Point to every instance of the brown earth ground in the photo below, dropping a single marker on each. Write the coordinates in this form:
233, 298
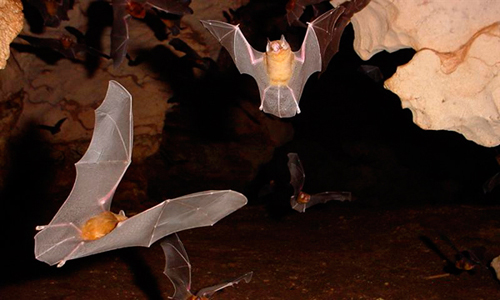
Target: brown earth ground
333, 251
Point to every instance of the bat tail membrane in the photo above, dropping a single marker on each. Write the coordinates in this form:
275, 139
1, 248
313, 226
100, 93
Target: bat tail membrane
280, 100
53, 242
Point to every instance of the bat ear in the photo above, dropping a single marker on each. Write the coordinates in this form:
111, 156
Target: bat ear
268, 45
122, 213
283, 40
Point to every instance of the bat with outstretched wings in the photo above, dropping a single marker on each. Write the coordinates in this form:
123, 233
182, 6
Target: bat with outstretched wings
84, 225
178, 270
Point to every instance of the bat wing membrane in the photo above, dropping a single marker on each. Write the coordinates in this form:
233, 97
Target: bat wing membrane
177, 266
328, 196
170, 216
209, 291
246, 58
119, 32
98, 173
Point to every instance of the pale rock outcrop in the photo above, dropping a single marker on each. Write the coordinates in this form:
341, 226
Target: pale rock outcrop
11, 23
451, 83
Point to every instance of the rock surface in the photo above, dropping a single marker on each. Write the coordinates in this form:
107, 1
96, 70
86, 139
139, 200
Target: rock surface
11, 23
451, 83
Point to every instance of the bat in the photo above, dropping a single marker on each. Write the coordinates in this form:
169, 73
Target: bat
280, 73
178, 270
466, 260
84, 225
65, 45
192, 57
295, 9
53, 129
300, 201
52, 11
124, 9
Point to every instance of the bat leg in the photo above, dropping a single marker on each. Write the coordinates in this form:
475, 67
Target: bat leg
63, 261
263, 98
294, 99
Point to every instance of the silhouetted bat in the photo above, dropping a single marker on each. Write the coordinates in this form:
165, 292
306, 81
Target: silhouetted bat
84, 225
280, 73
53, 129
64, 45
178, 270
191, 56
123, 9
52, 11
300, 201
468, 259
295, 9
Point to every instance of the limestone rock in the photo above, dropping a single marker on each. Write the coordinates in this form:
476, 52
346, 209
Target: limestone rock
451, 83
11, 23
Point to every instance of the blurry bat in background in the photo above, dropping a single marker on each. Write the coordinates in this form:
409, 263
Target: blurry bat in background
295, 9
466, 260
300, 201
53, 129
65, 45
52, 11
123, 9
178, 270
280, 73
84, 225
192, 57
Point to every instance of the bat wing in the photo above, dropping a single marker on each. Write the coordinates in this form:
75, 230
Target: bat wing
119, 32
177, 266
176, 7
297, 175
246, 58
98, 173
170, 216
209, 291
328, 196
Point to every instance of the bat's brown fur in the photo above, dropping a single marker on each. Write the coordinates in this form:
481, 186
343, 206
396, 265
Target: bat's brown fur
303, 198
279, 64
100, 225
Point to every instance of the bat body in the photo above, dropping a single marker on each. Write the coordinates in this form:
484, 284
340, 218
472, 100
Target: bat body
280, 73
300, 201
84, 224
466, 260
123, 9
178, 270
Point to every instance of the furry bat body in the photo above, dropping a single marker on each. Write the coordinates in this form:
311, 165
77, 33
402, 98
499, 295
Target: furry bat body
123, 9
300, 201
280, 73
84, 225
178, 270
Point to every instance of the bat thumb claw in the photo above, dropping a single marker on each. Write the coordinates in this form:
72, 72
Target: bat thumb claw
40, 228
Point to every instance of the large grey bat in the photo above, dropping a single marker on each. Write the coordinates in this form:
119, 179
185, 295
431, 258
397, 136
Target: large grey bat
280, 73
300, 201
84, 225
178, 270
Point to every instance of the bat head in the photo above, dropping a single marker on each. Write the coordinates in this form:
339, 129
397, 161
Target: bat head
303, 198
136, 9
277, 46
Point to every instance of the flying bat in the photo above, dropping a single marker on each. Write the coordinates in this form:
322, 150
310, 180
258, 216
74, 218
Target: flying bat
84, 225
53, 129
178, 270
52, 11
123, 9
280, 73
64, 45
295, 9
300, 201
466, 260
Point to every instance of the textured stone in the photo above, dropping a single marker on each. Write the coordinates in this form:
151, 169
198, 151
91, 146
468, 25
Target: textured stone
451, 83
11, 23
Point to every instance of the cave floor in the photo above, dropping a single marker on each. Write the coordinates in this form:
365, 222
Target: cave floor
333, 251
